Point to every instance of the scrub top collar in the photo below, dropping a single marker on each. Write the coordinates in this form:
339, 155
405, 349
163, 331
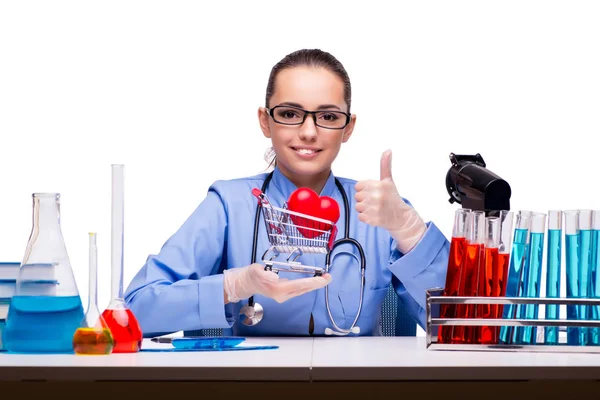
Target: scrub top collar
286, 187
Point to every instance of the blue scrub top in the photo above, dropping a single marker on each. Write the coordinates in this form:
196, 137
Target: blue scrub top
181, 288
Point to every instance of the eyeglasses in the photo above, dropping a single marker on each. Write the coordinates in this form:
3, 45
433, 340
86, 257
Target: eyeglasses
289, 115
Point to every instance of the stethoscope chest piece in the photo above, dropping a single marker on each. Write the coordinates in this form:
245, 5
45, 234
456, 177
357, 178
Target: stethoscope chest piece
251, 314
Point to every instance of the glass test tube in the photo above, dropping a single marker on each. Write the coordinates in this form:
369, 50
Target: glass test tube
457, 253
470, 276
519, 257
533, 278
572, 269
553, 262
117, 223
594, 333
500, 280
585, 261
487, 271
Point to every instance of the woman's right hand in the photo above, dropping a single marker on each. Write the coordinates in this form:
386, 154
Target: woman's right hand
241, 283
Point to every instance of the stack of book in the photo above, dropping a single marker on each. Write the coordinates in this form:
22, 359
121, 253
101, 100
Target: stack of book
8, 282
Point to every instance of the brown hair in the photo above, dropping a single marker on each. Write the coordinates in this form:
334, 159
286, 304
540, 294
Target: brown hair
306, 58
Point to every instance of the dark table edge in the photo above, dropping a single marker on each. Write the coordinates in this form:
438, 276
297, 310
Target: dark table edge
467, 373
142, 373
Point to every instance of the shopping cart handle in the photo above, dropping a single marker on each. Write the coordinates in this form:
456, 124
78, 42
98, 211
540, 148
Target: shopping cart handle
256, 192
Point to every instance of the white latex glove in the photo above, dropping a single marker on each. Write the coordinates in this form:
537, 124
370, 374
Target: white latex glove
241, 283
379, 204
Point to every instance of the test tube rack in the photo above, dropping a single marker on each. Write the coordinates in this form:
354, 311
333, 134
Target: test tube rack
434, 299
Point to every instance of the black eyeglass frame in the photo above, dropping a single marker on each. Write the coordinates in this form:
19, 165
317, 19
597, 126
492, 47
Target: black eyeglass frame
271, 112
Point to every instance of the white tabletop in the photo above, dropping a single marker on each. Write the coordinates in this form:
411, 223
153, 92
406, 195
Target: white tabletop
389, 358
291, 361
306, 359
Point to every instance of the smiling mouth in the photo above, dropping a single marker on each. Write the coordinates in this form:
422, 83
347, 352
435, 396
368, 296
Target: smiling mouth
305, 151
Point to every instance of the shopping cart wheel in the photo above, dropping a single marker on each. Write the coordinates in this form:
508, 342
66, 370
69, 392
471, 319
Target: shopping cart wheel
270, 268
318, 273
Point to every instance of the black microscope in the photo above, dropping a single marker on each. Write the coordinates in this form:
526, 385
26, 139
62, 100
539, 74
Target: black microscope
473, 186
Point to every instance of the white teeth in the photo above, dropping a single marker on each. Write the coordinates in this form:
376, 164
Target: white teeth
305, 151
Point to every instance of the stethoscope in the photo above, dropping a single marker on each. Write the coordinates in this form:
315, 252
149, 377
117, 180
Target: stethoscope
253, 312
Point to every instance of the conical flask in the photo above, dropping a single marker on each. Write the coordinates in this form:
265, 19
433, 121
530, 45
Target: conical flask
123, 325
93, 335
46, 309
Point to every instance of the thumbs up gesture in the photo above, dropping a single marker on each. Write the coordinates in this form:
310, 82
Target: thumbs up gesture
378, 203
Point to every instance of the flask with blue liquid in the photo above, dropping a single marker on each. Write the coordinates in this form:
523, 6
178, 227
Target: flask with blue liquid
46, 308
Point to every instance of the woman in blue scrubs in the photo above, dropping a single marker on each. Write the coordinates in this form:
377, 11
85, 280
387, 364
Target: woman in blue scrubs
204, 275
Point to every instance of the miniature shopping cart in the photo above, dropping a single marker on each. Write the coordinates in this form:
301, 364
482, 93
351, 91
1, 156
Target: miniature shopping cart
294, 234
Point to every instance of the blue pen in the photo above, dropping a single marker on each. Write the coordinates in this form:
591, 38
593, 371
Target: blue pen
201, 342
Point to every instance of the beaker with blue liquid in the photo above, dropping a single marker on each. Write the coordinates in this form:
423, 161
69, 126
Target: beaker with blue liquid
46, 308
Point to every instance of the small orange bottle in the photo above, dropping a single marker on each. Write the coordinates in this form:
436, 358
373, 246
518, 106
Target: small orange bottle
93, 337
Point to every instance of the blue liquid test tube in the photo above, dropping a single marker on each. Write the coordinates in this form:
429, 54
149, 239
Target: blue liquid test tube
553, 262
585, 261
517, 334
517, 264
572, 269
594, 333
533, 278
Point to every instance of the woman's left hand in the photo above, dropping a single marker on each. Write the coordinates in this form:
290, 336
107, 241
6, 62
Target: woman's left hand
379, 204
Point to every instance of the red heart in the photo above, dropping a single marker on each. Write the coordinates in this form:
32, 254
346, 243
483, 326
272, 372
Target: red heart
307, 201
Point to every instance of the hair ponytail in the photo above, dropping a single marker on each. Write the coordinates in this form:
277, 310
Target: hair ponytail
271, 158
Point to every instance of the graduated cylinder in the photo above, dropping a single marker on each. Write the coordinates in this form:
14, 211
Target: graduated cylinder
123, 324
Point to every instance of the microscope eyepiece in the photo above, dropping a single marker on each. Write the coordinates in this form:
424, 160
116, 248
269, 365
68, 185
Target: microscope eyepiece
472, 185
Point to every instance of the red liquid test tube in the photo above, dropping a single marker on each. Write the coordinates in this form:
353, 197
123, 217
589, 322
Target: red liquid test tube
504, 247
458, 245
469, 280
487, 334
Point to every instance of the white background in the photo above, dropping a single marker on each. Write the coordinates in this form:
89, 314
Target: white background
171, 89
